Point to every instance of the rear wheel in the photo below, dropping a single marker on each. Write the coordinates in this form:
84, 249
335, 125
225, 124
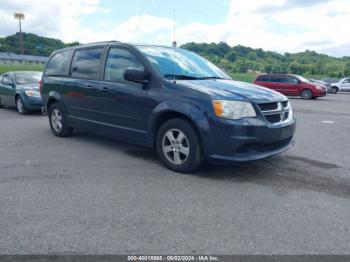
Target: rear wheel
1, 106
306, 94
21, 109
58, 121
334, 89
178, 145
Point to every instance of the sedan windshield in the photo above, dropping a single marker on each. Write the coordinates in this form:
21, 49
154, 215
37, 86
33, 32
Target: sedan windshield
181, 64
27, 78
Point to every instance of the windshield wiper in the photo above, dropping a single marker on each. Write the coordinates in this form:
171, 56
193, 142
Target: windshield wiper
180, 77
211, 77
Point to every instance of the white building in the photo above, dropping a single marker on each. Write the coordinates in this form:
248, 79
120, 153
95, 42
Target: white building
10, 58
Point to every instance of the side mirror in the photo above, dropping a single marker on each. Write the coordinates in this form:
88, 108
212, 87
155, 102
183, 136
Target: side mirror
7, 82
136, 75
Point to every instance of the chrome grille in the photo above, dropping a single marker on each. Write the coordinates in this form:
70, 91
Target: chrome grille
277, 112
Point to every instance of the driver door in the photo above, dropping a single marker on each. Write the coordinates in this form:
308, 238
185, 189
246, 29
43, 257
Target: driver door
7, 90
124, 105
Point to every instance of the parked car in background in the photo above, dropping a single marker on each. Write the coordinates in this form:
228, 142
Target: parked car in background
168, 99
21, 90
291, 85
322, 83
342, 85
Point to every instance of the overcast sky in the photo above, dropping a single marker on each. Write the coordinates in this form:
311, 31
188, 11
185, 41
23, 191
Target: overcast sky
279, 25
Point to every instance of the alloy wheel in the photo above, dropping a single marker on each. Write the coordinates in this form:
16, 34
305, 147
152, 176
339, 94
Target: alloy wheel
56, 120
19, 105
175, 146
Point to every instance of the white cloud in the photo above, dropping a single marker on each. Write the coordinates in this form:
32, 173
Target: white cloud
280, 25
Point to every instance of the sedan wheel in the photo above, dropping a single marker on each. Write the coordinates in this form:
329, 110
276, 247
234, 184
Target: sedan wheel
334, 90
20, 107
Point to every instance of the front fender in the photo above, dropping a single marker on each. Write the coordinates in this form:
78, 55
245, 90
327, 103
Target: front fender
193, 112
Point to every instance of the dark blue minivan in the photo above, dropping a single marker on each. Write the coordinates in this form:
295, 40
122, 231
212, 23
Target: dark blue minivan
165, 98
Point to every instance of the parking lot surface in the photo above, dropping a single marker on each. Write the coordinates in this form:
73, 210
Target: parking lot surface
90, 195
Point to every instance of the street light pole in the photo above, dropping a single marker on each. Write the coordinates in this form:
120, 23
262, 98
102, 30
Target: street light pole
20, 16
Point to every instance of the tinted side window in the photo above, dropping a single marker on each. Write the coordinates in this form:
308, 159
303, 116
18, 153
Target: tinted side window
117, 61
277, 79
263, 78
86, 63
59, 64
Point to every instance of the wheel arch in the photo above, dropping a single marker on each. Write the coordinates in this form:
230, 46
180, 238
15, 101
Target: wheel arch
336, 87
194, 115
53, 97
19, 94
306, 89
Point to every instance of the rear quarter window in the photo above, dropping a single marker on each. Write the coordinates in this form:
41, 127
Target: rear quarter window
59, 64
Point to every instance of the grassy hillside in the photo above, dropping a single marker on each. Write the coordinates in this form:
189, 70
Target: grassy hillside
22, 67
235, 60
243, 77
241, 59
33, 44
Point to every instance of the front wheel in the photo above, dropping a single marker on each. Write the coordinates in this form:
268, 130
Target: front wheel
58, 121
21, 109
306, 94
178, 145
334, 90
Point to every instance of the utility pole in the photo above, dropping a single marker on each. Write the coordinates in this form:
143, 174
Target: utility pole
20, 16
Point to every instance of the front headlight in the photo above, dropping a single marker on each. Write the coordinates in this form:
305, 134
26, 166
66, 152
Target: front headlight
233, 109
32, 93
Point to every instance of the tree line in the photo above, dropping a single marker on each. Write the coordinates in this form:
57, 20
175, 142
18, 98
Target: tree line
241, 59
236, 59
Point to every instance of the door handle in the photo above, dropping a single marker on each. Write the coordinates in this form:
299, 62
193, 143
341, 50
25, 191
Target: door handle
104, 89
89, 87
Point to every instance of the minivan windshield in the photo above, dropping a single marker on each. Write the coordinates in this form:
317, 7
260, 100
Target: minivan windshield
27, 78
181, 64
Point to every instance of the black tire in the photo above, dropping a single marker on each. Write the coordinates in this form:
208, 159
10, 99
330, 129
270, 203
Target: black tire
62, 130
1, 106
306, 94
190, 141
21, 109
334, 89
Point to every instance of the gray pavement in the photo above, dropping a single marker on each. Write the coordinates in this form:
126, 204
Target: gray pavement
90, 195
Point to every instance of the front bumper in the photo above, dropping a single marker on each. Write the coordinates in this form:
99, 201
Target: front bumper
33, 103
250, 139
319, 93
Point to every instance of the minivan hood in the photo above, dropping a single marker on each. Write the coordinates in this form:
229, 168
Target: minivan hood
27, 87
234, 90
